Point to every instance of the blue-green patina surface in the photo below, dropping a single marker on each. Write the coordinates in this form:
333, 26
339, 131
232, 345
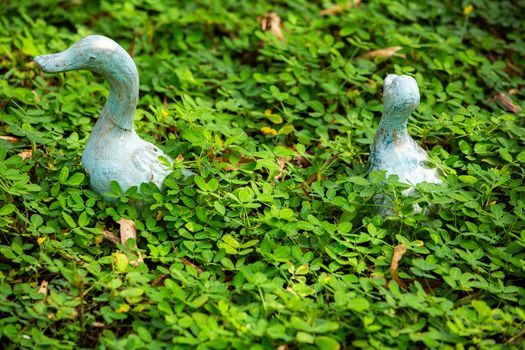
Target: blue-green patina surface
393, 149
114, 150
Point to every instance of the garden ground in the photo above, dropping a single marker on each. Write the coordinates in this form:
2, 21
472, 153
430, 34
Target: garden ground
276, 242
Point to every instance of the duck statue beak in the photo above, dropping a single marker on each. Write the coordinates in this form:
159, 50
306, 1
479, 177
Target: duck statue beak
55, 63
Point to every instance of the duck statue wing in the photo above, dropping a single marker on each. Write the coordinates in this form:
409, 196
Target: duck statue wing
146, 164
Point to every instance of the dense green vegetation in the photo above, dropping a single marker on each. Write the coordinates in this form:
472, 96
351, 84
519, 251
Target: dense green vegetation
276, 243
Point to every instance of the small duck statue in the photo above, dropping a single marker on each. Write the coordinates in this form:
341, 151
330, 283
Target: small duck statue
114, 151
393, 149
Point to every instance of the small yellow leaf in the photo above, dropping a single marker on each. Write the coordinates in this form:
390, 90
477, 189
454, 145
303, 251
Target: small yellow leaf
121, 261
267, 130
164, 113
99, 239
139, 308
268, 112
41, 240
285, 130
275, 118
122, 308
468, 179
468, 9
302, 270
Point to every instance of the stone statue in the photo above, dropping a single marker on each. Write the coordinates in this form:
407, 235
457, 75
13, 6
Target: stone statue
393, 149
114, 151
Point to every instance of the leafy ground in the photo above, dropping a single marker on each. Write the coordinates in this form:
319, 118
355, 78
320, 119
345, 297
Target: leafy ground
276, 243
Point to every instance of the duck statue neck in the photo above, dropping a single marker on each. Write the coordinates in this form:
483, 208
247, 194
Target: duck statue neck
393, 149
114, 151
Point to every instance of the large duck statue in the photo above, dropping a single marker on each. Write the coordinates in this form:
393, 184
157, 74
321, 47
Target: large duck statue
114, 151
393, 149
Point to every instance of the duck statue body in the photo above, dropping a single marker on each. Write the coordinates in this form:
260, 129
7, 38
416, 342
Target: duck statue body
114, 151
393, 149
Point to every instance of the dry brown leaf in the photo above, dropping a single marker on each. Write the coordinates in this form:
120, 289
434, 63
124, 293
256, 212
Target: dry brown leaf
9, 138
98, 324
25, 154
129, 230
271, 22
231, 168
43, 288
384, 53
110, 236
282, 347
332, 10
507, 102
399, 251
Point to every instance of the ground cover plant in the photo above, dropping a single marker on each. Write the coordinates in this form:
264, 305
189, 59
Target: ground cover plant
275, 243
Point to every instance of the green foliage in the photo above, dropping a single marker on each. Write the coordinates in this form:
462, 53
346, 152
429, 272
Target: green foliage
276, 242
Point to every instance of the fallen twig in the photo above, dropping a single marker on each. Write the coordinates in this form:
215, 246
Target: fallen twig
9, 138
507, 102
384, 53
110, 236
399, 251
186, 262
513, 339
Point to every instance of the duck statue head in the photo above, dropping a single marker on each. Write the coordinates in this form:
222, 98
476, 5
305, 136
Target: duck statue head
393, 150
400, 98
114, 151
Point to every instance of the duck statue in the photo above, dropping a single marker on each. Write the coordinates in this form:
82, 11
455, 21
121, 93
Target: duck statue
393, 149
114, 151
